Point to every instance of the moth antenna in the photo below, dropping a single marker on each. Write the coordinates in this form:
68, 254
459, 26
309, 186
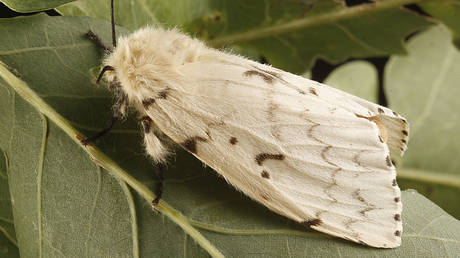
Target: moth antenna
114, 39
104, 69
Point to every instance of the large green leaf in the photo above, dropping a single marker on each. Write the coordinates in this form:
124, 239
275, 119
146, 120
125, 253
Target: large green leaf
33, 5
65, 205
448, 12
290, 35
423, 86
359, 78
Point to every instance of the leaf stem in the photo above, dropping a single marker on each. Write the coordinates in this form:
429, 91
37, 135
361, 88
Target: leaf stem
429, 177
332, 16
103, 160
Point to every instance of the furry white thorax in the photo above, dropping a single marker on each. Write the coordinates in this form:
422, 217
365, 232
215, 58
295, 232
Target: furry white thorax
147, 61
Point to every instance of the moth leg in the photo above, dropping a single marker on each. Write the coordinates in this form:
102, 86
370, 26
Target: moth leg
96, 40
119, 110
159, 193
157, 151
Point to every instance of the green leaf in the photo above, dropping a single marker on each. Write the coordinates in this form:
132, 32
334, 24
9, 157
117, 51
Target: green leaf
28, 6
290, 35
448, 12
8, 242
423, 86
359, 78
65, 205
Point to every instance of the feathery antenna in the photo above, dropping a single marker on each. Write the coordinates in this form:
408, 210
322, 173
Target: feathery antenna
114, 39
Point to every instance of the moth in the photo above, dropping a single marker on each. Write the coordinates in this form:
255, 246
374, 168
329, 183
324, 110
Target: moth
312, 153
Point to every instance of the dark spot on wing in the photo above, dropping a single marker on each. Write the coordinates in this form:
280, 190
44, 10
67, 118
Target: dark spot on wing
405, 132
233, 140
265, 77
190, 143
397, 233
260, 158
393, 183
312, 222
397, 217
396, 114
147, 102
403, 141
380, 110
302, 92
380, 139
163, 94
265, 174
313, 91
397, 199
146, 122
388, 160
404, 121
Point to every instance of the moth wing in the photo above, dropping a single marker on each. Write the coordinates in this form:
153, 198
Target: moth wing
287, 142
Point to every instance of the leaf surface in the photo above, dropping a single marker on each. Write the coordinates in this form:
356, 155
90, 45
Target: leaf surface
359, 78
448, 12
33, 5
8, 241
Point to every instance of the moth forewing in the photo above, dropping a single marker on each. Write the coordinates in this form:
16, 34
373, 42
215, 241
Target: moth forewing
307, 151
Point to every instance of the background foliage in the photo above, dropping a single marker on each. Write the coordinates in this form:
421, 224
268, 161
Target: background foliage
55, 201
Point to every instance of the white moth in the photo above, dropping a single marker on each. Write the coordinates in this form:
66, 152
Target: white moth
307, 151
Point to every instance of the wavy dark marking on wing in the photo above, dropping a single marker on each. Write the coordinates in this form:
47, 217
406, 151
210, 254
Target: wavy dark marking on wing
380, 110
260, 158
323, 155
265, 174
312, 222
394, 183
212, 125
349, 222
369, 206
191, 143
268, 79
313, 91
271, 112
163, 94
334, 183
355, 159
397, 217
278, 76
148, 102
310, 132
